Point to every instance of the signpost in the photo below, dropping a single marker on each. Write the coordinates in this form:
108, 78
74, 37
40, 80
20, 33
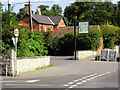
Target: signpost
108, 55
83, 27
16, 34
112, 55
104, 55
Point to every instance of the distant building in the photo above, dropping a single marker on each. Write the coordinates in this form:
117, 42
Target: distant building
43, 23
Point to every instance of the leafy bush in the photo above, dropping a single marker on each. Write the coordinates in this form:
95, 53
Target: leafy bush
65, 45
97, 58
89, 41
31, 44
110, 35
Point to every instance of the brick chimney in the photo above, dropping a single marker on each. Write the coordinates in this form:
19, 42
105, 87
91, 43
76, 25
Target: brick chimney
26, 7
38, 11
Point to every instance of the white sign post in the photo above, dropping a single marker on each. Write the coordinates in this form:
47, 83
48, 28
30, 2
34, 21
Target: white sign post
16, 34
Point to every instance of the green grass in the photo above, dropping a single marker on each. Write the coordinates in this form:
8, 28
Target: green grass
43, 67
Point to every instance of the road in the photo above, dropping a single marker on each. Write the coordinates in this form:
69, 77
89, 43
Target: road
68, 74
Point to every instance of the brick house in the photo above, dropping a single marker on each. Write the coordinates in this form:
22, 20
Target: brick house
43, 23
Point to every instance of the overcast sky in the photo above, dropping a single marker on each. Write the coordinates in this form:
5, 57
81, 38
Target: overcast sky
62, 3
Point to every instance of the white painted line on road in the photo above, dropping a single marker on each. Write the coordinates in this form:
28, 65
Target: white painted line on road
65, 85
84, 80
72, 86
32, 81
27, 85
88, 76
8, 81
70, 82
74, 81
79, 83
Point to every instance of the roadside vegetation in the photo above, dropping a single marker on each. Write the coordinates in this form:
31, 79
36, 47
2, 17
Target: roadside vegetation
39, 44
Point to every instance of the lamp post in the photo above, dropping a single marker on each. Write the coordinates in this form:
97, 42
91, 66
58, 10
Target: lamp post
75, 37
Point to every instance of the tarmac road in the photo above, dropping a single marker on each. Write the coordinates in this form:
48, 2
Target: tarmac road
68, 74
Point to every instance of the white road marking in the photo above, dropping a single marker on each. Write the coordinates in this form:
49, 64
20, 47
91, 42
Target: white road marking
74, 81
85, 79
72, 86
32, 81
65, 85
27, 85
79, 83
70, 82
8, 81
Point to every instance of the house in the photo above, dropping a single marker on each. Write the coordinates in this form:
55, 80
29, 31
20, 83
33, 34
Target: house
43, 23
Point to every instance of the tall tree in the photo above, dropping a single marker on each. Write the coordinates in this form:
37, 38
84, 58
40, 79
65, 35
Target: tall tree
96, 12
116, 15
56, 10
23, 11
44, 9
9, 23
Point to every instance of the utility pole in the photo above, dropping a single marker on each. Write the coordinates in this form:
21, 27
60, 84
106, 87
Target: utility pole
9, 5
30, 13
9, 11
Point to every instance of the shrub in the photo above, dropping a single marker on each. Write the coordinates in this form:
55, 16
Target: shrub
110, 35
65, 45
31, 44
97, 58
89, 41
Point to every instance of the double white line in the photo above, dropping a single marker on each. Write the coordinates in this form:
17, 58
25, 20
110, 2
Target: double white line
80, 81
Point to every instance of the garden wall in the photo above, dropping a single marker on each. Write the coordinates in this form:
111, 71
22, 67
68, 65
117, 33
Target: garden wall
85, 54
29, 64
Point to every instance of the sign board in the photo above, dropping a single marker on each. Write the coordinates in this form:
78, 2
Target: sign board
104, 54
83, 27
16, 32
112, 55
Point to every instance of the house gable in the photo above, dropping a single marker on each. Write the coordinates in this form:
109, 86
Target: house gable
62, 23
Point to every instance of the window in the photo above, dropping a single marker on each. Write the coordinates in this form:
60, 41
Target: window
44, 28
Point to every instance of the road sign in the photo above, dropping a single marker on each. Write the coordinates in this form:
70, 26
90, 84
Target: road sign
83, 26
16, 32
104, 54
112, 55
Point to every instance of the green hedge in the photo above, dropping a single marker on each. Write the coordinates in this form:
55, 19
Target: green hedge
111, 35
65, 45
31, 44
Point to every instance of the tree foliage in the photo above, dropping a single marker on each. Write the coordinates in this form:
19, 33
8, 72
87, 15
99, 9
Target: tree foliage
110, 35
21, 13
116, 16
96, 12
55, 10
9, 23
29, 43
44, 10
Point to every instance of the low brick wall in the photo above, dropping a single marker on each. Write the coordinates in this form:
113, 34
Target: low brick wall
84, 54
29, 64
